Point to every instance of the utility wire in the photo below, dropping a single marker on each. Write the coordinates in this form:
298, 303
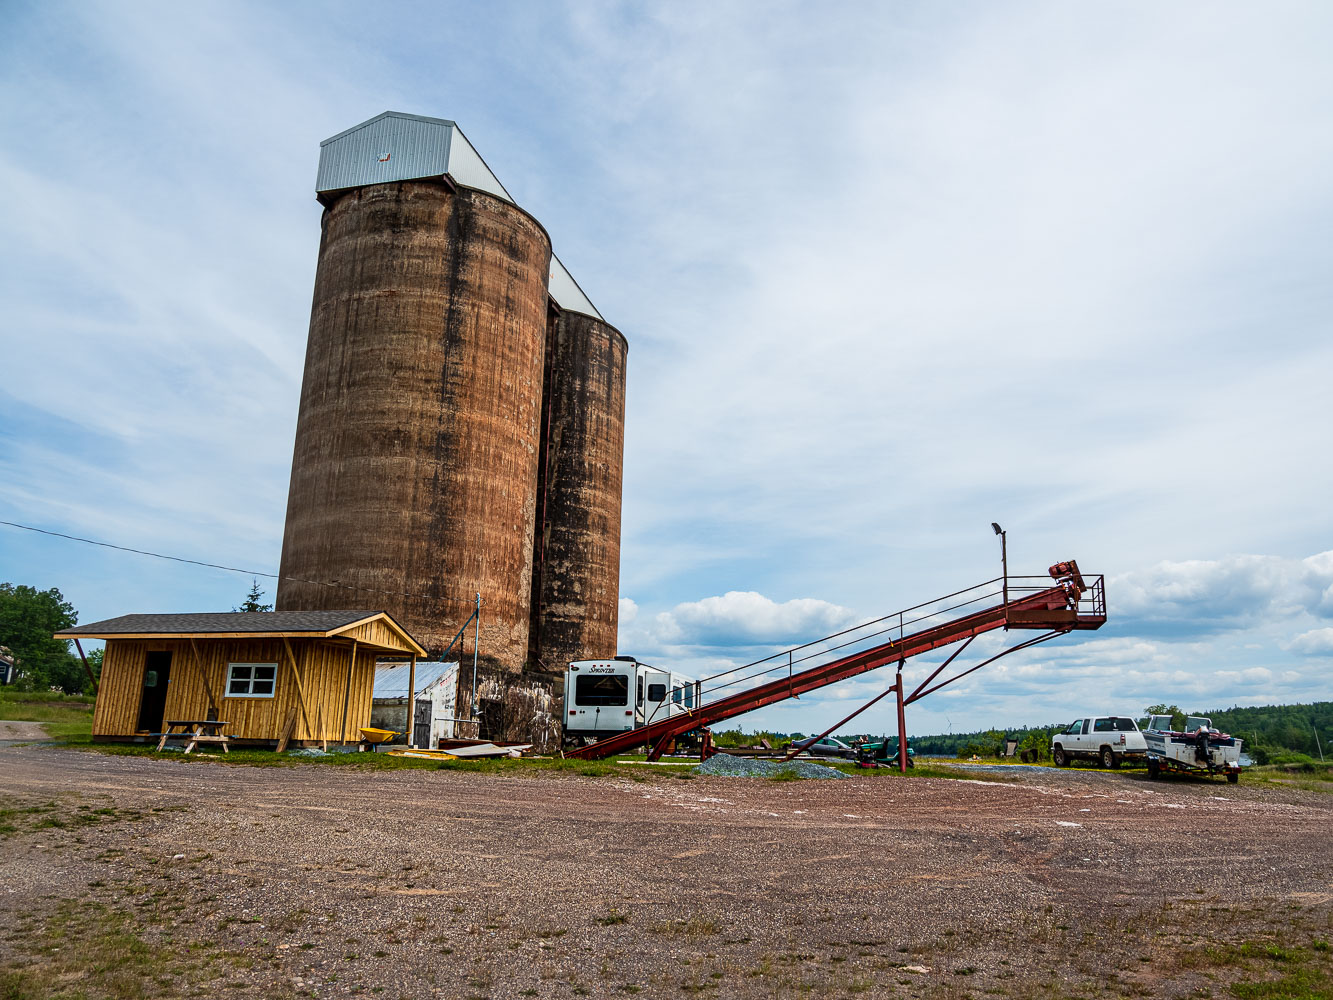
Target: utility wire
233, 569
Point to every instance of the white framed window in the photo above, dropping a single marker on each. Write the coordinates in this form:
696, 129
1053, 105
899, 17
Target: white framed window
251, 680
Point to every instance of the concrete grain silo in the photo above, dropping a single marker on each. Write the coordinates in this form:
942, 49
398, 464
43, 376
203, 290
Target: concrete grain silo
414, 475
576, 554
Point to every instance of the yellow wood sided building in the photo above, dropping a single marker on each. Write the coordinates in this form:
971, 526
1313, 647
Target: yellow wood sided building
263, 673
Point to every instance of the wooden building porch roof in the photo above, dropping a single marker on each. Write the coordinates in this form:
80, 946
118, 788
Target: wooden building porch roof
348, 625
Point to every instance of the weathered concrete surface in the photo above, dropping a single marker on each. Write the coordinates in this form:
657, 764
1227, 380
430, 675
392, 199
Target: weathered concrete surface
523, 708
414, 472
576, 572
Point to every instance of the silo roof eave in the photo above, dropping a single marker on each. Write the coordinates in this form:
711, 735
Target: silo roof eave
499, 183
390, 114
572, 306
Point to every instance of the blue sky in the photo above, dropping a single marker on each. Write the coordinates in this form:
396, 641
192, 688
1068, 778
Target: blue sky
889, 272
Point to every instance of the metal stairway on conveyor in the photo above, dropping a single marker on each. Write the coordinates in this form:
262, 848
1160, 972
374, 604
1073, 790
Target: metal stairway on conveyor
1074, 601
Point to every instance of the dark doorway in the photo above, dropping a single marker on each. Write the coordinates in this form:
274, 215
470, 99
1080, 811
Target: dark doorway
153, 705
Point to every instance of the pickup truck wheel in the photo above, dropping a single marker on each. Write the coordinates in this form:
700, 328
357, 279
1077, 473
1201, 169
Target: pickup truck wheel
1060, 757
1107, 758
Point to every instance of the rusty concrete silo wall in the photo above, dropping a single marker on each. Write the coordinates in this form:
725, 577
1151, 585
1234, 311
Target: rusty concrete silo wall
415, 467
576, 572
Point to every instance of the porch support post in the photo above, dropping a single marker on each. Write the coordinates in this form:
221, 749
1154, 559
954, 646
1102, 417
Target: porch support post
411, 703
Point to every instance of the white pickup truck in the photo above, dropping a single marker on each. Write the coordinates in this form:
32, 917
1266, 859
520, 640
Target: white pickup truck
1108, 739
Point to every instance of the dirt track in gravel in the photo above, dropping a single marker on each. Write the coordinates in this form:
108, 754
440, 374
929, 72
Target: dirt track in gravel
465, 885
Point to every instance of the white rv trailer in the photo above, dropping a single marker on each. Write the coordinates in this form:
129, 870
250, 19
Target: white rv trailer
609, 696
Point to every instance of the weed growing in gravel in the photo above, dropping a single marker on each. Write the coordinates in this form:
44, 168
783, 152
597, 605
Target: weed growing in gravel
692, 927
614, 917
19, 817
110, 958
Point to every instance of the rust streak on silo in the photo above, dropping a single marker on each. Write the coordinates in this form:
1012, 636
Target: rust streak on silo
577, 551
414, 472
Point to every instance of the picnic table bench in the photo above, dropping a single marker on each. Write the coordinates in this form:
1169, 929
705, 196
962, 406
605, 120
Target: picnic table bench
194, 732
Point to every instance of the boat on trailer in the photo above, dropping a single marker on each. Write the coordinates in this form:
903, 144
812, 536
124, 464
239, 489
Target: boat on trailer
1198, 749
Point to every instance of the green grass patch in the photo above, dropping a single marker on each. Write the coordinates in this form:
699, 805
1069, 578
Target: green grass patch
91, 950
1300, 984
515, 767
63, 716
18, 817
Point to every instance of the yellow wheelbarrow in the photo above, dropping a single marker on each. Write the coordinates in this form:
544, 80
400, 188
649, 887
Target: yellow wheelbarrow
373, 736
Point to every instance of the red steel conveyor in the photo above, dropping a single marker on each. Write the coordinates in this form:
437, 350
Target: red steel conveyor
1074, 602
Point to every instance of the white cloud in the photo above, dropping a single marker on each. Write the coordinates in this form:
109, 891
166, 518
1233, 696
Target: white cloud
740, 619
1316, 642
1233, 592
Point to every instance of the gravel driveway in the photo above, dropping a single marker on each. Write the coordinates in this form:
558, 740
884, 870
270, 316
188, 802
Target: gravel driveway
323, 881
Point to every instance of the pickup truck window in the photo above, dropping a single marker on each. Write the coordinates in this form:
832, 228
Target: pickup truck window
1086, 724
1125, 726
1075, 728
1103, 726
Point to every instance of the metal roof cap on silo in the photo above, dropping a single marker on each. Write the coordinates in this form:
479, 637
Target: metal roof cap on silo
400, 147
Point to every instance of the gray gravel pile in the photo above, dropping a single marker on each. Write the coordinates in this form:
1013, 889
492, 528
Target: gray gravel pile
726, 766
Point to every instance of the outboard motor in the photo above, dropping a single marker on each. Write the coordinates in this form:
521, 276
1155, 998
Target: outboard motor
1201, 745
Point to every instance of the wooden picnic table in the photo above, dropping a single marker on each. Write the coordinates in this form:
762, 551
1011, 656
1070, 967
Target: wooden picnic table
194, 732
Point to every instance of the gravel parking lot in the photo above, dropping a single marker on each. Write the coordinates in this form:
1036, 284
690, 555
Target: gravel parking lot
129, 876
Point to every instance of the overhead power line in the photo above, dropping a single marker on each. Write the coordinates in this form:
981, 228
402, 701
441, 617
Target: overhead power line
232, 569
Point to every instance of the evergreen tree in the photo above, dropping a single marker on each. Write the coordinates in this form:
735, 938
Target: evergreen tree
252, 600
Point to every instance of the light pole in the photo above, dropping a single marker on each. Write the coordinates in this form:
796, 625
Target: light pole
1004, 565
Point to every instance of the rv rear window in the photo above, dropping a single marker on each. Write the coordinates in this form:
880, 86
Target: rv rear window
602, 689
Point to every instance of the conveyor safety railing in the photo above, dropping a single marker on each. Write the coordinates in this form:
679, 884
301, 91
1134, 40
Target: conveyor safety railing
1073, 601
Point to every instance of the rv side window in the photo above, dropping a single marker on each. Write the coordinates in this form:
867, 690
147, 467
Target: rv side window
689, 695
656, 692
601, 689
675, 696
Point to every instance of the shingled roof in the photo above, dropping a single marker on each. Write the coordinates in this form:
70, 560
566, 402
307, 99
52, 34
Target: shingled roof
218, 624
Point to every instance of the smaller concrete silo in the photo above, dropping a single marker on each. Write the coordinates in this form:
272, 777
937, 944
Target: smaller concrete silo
576, 552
